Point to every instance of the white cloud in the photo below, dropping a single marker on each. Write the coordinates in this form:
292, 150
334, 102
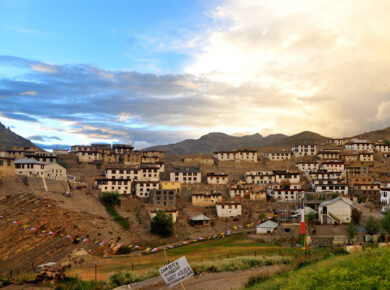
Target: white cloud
29, 93
383, 112
44, 68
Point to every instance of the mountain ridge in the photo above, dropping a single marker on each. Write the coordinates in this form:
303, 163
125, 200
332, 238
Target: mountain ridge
8, 139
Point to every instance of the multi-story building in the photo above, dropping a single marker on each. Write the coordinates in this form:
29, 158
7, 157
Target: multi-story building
186, 175
55, 171
329, 154
278, 156
228, 209
242, 155
141, 174
286, 192
254, 177
217, 178
163, 197
206, 199
384, 148
287, 176
143, 188
307, 166
339, 188
29, 167
304, 150
7, 166
89, 156
122, 186
360, 146
333, 166
324, 175
366, 157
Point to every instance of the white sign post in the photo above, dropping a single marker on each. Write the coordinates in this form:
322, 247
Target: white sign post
176, 272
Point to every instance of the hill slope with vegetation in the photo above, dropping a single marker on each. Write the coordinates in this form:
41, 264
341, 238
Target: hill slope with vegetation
8, 139
366, 270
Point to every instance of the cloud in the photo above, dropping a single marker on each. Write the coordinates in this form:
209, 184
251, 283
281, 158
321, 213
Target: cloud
29, 93
44, 68
18, 116
383, 112
265, 66
43, 138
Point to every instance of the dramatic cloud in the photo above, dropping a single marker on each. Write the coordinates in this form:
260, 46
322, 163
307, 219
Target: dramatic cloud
266, 66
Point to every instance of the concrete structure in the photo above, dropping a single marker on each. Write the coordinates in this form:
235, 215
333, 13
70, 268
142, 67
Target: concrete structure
163, 197
304, 150
228, 209
143, 188
278, 156
7, 167
217, 178
141, 174
55, 171
337, 210
29, 167
267, 227
186, 175
206, 199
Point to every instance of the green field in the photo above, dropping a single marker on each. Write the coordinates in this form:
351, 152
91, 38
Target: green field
206, 251
367, 270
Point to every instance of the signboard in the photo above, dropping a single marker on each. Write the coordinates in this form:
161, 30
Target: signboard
176, 272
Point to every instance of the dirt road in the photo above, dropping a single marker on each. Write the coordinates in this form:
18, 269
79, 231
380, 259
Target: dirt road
211, 281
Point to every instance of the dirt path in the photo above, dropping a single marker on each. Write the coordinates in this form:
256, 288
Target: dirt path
211, 281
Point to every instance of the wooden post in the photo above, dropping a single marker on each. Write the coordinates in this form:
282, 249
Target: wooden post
33, 267
95, 273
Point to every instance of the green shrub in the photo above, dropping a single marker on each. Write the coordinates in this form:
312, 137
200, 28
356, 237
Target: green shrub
109, 200
162, 224
372, 225
62, 163
76, 284
255, 280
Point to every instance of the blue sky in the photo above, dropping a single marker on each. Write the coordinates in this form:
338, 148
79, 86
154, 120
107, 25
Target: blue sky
156, 72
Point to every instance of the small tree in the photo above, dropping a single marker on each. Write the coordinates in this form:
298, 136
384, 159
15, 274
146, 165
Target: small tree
373, 225
261, 216
110, 197
386, 222
351, 231
162, 224
62, 163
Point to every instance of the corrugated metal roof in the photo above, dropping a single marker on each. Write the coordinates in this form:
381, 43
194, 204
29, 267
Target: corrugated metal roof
200, 217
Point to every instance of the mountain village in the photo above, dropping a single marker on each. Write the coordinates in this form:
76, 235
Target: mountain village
334, 181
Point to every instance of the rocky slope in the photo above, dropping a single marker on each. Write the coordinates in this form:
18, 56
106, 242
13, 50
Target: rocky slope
8, 139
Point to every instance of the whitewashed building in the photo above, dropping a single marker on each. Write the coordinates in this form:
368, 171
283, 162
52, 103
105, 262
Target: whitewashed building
186, 175
228, 209
366, 157
122, 186
360, 146
278, 156
206, 199
333, 166
287, 176
307, 166
259, 178
242, 155
384, 148
29, 167
339, 188
143, 188
337, 210
304, 150
55, 171
385, 195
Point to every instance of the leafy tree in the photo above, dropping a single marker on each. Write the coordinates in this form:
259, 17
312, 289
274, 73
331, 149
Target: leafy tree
62, 163
386, 222
373, 225
261, 216
351, 231
110, 197
311, 217
162, 224
356, 216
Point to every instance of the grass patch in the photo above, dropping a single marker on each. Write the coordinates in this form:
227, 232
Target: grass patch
238, 263
367, 270
109, 199
77, 284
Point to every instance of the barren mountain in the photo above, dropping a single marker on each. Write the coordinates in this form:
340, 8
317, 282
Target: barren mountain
8, 139
383, 134
217, 141
211, 142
